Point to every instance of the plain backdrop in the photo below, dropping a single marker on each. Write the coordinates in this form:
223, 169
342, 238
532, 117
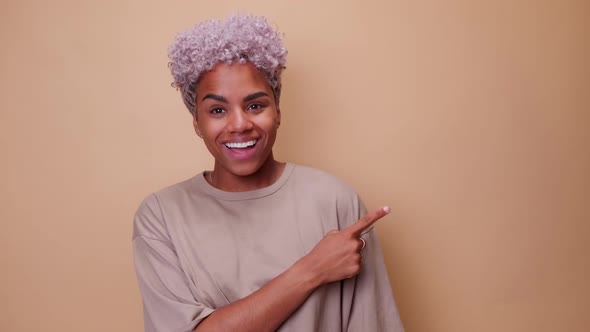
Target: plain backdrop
470, 118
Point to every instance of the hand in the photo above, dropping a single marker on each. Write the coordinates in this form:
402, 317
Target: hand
337, 256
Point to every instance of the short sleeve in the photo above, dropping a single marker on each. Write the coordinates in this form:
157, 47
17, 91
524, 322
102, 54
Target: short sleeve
168, 302
373, 307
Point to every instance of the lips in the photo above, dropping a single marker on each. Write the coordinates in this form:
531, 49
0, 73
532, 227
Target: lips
241, 150
240, 145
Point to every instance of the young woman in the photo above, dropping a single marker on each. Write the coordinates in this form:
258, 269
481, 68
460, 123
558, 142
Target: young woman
255, 244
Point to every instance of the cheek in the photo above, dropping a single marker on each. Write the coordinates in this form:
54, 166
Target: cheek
210, 134
269, 125
270, 121
211, 129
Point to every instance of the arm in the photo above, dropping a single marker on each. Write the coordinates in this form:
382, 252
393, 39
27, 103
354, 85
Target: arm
268, 307
169, 298
373, 308
334, 258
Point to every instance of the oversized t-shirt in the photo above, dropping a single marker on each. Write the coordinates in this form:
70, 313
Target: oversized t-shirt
198, 248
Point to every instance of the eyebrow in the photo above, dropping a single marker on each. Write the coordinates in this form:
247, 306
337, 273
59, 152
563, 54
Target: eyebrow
215, 97
255, 95
222, 99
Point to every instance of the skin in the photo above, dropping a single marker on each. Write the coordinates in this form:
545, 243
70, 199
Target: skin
235, 103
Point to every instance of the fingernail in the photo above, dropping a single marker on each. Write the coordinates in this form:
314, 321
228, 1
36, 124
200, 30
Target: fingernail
386, 209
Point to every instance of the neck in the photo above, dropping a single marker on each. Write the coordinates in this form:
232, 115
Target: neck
265, 176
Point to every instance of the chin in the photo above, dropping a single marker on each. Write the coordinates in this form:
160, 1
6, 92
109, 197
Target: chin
245, 169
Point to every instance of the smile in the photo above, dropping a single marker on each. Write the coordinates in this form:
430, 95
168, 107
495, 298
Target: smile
240, 145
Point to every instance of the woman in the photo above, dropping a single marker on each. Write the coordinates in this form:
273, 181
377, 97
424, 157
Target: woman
256, 244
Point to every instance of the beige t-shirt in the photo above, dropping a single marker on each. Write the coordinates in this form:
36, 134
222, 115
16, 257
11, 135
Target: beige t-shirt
198, 248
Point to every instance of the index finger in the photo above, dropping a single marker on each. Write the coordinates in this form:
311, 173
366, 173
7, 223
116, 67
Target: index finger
366, 221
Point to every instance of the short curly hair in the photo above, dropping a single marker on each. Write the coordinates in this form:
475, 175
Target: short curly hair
238, 38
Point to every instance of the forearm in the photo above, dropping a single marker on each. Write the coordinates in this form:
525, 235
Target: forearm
334, 258
268, 307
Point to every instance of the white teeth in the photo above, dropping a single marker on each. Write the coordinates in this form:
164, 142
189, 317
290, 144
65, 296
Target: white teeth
241, 145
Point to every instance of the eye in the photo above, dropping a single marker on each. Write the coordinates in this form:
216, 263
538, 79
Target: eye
217, 111
255, 106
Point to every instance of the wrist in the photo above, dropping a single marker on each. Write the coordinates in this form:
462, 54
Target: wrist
304, 273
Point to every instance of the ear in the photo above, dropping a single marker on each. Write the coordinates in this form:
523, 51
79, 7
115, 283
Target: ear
278, 120
196, 126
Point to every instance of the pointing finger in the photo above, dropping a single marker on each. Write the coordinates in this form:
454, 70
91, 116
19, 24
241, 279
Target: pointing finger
367, 221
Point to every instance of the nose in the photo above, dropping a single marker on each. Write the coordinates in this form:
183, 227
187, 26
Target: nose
239, 121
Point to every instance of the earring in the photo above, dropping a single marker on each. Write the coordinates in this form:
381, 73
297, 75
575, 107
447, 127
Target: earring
199, 134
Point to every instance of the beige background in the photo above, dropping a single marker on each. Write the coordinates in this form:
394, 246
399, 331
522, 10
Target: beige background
470, 118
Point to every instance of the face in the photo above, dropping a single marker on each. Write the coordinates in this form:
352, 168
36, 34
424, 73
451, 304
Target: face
237, 118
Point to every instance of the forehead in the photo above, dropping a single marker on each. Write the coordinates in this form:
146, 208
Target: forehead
232, 79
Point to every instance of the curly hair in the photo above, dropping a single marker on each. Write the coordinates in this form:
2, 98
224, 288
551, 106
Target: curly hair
237, 39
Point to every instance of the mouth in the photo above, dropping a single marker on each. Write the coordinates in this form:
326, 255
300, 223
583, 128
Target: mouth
240, 145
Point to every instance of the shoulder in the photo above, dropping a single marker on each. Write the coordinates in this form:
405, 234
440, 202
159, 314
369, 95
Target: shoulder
149, 220
178, 191
318, 178
321, 182
329, 192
